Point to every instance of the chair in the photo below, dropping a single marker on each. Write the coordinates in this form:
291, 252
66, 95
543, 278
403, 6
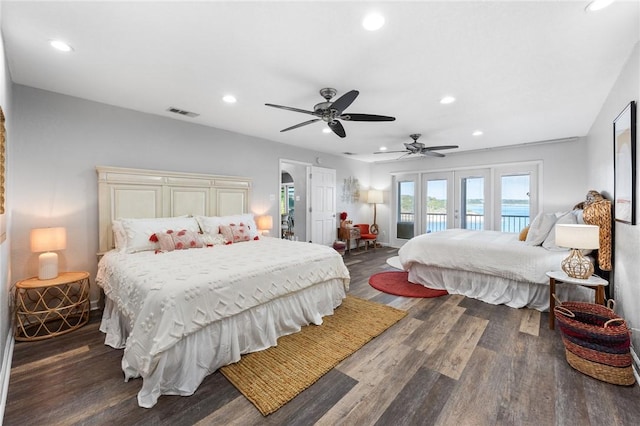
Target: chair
366, 236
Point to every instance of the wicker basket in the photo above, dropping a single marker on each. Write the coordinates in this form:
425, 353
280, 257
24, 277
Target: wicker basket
596, 341
599, 213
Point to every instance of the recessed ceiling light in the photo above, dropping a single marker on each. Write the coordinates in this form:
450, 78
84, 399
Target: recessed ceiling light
60, 45
373, 22
477, 133
326, 130
447, 100
383, 148
230, 99
598, 5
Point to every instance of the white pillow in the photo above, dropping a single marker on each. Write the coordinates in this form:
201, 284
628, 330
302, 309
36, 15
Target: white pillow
119, 236
138, 231
550, 242
540, 228
211, 224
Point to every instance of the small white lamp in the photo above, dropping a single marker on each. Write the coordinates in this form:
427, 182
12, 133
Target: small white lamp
374, 196
46, 241
265, 224
577, 238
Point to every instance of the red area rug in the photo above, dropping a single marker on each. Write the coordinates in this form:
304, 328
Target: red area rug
395, 282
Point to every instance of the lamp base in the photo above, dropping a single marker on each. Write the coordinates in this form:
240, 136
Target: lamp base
48, 266
577, 266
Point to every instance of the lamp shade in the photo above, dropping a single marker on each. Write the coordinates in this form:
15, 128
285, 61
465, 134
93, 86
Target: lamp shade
374, 196
48, 239
578, 236
265, 223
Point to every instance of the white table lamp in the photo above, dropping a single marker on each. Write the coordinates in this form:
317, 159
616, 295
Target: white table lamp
265, 224
46, 241
577, 238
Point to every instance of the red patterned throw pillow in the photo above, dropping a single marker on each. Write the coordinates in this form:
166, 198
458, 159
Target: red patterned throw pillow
236, 233
177, 240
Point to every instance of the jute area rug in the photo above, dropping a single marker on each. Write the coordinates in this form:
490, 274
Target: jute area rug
273, 377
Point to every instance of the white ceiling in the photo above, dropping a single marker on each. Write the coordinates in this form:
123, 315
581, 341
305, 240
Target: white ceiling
521, 71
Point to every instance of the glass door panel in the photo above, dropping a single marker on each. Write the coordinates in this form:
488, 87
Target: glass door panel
473, 203
514, 202
472, 195
438, 213
406, 210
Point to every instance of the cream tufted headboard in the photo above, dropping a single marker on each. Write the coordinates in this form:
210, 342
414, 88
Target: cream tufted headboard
138, 193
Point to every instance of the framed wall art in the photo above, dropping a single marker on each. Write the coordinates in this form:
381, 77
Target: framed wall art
624, 145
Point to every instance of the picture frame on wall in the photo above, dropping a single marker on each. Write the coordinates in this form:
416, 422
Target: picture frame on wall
624, 165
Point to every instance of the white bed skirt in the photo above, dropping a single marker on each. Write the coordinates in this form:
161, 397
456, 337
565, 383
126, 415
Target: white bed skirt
496, 290
182, 368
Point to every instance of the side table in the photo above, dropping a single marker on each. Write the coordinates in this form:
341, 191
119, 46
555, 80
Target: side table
348, 234
594, 282
48, 308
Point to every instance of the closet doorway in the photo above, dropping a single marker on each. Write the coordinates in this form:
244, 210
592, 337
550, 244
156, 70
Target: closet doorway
293, 200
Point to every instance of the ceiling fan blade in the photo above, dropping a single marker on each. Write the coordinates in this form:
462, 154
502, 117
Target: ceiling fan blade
366, 117
440, 148
304, 111
300, 125
389, 152
431, 153
344, 101
337, 128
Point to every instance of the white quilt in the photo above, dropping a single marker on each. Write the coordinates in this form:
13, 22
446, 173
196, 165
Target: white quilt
486, 252
168, 296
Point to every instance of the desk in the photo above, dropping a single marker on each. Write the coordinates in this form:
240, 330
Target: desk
594, 282
348, 234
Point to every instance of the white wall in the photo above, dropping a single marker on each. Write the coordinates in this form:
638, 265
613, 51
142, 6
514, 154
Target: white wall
564, 172
626, 272
58, 141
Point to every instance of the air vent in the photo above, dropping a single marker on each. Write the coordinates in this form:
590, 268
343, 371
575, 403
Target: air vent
349, 153
182, 112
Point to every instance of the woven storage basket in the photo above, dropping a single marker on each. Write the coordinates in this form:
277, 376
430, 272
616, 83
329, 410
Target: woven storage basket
596, 341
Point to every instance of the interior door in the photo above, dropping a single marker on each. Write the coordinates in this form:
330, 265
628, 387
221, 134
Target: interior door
323, 205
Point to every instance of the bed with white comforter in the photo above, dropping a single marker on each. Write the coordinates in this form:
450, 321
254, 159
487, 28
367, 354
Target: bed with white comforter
491, 266
181, 315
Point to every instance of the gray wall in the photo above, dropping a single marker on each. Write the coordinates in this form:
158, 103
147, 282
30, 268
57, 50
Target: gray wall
59, 140
626, 272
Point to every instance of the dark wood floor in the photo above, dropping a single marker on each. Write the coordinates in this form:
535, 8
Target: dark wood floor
451, 361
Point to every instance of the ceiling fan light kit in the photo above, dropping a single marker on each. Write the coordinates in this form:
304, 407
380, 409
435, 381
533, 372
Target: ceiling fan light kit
332, 112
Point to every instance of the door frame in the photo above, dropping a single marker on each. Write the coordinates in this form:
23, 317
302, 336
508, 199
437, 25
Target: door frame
304, 184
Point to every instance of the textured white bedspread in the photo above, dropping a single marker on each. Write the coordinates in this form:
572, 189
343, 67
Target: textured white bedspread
167, 296
487, 252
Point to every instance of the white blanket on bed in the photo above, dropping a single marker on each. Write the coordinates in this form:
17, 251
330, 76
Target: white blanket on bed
166, 296
487, 252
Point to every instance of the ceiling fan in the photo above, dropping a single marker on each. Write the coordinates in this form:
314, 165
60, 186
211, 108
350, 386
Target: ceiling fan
416, 147
331, 112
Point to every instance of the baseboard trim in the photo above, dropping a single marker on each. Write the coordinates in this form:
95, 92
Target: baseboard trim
635, 365
5, 374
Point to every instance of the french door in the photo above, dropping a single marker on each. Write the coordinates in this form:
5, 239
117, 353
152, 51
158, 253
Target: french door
472, 195
503, 198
